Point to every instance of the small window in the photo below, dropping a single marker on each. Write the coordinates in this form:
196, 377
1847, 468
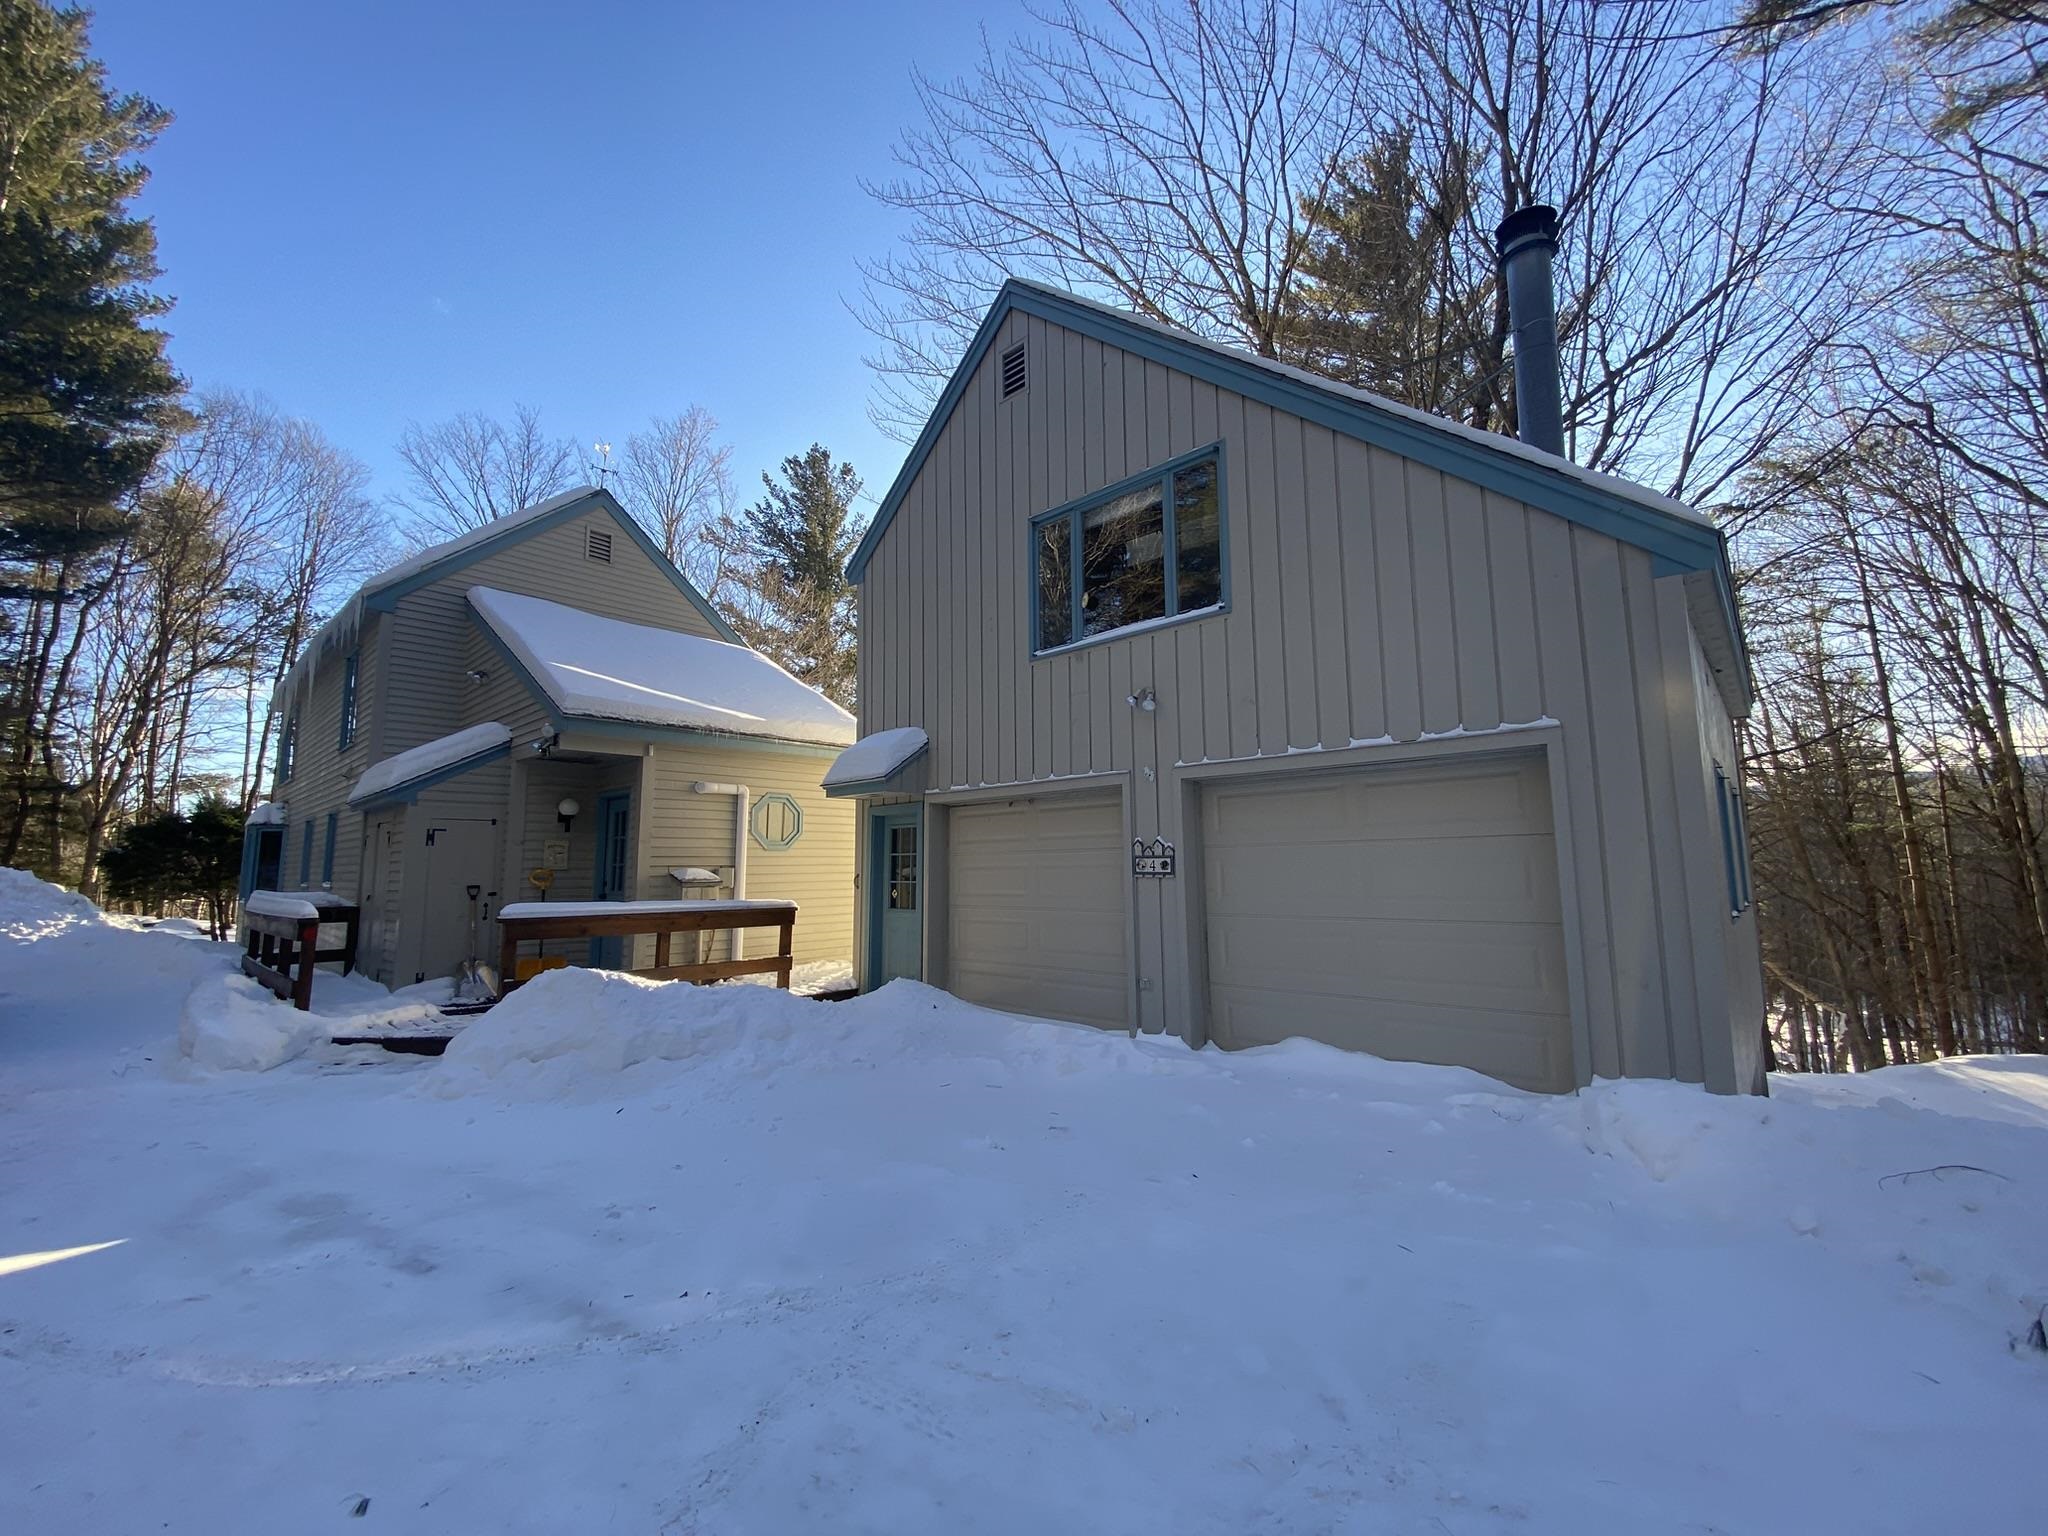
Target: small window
1014, 374
286, 743
776, 821
597, 544
327, 848
902, 871
1146, 550
1741, 843
348, 701
1734, 849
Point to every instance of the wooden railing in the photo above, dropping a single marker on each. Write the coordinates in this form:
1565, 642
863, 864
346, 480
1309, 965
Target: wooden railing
538, 921
284, 940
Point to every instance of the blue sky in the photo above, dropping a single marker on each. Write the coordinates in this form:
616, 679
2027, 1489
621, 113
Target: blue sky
376, 212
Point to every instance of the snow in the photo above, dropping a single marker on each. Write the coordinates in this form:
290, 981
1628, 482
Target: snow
267, 814
429, 757
876, 757
296, 906
695, 907
592, 667
232, 1024
647, 1258
695, 874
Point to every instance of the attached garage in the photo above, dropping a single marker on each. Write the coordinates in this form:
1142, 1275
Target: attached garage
1037, 917
1412, 912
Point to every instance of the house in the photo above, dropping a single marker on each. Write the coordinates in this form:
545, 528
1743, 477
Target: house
1201, 695
545, 708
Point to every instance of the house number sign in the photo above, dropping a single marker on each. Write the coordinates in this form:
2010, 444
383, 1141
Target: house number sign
1152, 860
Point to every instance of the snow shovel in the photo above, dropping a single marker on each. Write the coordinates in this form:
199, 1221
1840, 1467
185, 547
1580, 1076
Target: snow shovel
474, 983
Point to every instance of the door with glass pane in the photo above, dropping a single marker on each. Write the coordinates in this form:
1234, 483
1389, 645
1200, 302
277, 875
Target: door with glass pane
614, 854
896, 895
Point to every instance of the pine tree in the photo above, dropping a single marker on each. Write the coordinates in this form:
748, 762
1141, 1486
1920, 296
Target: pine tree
1383, 303
179, 856
86, 394
788, 553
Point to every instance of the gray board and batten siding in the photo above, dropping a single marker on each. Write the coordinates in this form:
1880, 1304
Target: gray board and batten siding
1386, 605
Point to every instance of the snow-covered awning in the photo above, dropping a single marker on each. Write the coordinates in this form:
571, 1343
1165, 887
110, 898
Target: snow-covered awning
266, 814
864, 765
595, 668
407, 772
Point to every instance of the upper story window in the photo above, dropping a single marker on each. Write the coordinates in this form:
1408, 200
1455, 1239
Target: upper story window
348, 701
1734, 842
1148, 549
287, 743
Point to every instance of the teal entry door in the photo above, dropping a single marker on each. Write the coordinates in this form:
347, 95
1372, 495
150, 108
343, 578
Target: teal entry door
614, 854
895, 894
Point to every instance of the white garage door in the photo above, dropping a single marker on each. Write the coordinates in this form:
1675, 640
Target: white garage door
1408, 912
1036, 907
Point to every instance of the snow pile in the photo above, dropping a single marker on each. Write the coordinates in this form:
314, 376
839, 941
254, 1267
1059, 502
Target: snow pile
478, 743
634, 1251
32, 909
606, 669
231, 1024
875, 757
571, 1033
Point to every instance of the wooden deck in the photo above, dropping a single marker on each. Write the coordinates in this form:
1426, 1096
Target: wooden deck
538, 921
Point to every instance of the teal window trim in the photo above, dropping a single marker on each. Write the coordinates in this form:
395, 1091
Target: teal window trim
348, 701
757, 820
306, 857
327, 848
1741, 843
1724, 799
1075, 513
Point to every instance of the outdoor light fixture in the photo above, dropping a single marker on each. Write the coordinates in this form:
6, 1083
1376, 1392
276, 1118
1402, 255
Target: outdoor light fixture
567, 811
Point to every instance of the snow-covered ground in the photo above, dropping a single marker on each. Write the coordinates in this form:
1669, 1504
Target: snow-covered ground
665, 1259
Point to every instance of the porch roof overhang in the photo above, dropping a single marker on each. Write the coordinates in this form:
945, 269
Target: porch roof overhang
866, 767
399, 779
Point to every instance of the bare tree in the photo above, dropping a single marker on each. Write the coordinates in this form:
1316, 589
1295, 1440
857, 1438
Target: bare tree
675, 478
473, 469
1159, 155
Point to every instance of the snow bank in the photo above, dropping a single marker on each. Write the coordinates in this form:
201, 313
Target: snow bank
32, 909
233, 1025
571, 1032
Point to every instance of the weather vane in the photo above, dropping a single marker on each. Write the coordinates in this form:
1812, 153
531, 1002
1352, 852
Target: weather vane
604, 462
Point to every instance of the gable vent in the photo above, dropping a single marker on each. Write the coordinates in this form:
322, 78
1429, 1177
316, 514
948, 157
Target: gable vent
1013, 370
597, 545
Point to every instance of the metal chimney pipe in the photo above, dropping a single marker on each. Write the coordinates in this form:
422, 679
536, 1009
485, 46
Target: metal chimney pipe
1526, 240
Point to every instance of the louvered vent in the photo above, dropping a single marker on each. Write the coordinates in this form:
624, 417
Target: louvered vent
597, 545
1013, 371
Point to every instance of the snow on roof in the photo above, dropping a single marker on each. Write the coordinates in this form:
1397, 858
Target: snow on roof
429, 757
875, 757
606, 669
1496, 442
266, 814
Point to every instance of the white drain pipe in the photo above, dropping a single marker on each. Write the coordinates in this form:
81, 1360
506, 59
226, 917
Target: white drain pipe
739, 847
